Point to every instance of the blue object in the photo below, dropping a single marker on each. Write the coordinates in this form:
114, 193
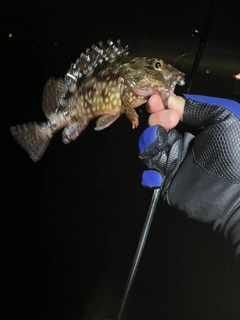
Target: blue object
231, 105
151, 179
148, 136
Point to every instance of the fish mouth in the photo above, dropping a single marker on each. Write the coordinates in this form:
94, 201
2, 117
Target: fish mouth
164, 95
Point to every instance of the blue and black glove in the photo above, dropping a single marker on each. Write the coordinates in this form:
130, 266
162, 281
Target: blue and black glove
199, 175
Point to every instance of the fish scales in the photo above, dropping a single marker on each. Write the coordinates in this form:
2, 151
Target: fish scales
103, 83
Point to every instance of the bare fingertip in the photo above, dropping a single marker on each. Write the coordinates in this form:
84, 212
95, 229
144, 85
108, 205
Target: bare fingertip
165, 118
154, 104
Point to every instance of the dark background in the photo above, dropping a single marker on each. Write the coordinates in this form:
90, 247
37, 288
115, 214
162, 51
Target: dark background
71, 222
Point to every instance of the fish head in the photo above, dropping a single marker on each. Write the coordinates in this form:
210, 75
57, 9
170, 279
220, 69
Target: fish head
148, 76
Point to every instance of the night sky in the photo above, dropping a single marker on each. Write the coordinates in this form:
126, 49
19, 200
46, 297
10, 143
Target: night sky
72, 221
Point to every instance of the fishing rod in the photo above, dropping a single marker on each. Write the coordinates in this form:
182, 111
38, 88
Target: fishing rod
203, 39
156, 192
140, 247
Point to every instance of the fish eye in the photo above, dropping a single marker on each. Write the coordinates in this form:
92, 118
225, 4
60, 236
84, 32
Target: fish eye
157, 65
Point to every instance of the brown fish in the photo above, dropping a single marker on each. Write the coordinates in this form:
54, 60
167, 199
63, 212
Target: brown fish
104, 82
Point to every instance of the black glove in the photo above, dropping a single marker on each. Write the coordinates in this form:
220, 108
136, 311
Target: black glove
199, 176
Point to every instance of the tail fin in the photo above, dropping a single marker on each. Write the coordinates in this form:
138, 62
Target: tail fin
34, 138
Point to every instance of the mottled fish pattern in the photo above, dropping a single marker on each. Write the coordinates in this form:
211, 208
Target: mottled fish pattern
104, 83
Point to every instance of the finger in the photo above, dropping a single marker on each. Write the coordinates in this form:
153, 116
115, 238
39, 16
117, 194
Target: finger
154, 104
177, 104
168, 119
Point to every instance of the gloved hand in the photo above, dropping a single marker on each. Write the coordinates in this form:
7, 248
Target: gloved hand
199, 176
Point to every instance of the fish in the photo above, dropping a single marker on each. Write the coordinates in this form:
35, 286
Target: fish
103, 83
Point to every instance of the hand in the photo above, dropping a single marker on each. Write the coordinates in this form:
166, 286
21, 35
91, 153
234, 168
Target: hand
167, 118
200, 178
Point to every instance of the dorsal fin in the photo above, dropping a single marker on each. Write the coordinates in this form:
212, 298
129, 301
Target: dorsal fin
56, 90
53, 92
88, 61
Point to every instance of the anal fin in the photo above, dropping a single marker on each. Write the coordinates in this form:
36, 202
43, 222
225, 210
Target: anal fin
106, 120
73, 130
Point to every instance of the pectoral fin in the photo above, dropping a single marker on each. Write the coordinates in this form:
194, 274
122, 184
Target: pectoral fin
130, 102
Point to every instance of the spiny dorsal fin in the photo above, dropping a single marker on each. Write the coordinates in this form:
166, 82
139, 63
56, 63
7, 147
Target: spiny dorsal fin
92, 58
54, 91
